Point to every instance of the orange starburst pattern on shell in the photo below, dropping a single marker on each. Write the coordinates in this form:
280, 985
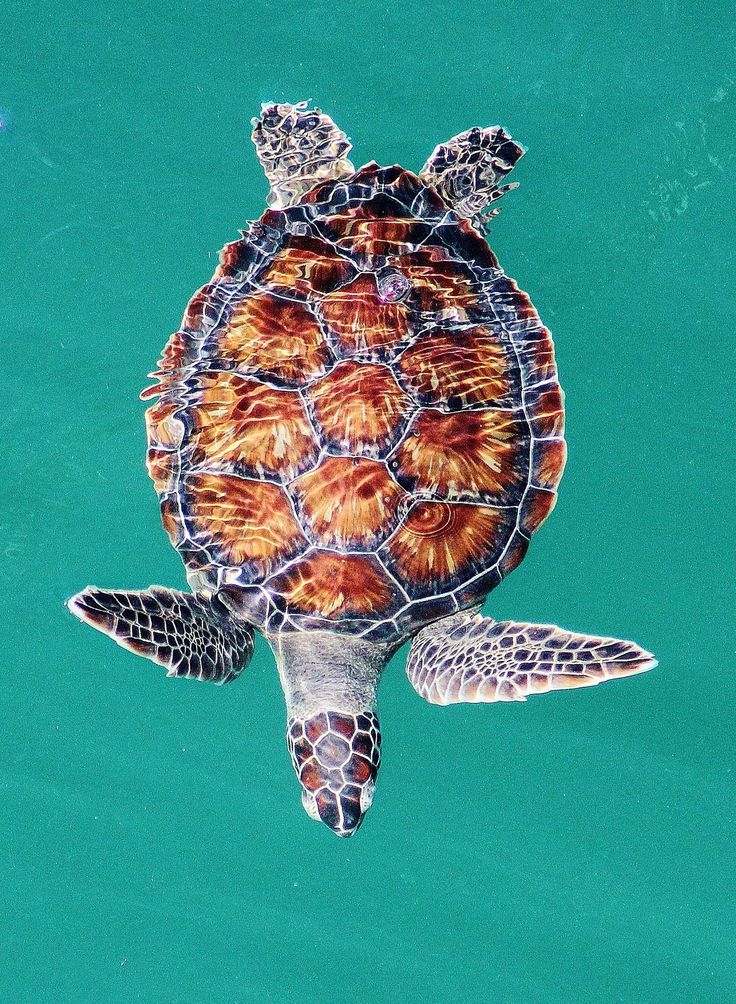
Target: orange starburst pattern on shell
360, 408
169, 365
248, 523
361, 322
308, 267
476, 455
440, 541
357, 232
244, 422
348, 502
440, 286
335, 585
463, 369
273, 336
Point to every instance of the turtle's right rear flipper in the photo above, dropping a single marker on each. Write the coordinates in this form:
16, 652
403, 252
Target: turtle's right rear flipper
189, 635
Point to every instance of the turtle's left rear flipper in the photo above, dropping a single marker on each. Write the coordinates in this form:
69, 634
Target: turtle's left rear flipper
190, 635
470, 658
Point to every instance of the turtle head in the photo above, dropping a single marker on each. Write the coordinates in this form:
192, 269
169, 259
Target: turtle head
330, 683
336, 757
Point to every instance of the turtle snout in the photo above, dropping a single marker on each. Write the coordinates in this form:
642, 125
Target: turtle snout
336, 757
342, 811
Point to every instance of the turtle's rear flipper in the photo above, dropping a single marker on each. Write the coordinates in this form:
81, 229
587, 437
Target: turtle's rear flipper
469, 169
473, 659
189, 635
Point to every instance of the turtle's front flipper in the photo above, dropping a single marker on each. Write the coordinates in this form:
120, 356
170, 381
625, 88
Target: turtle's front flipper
467, 171
189, 635
298, 147
469, 658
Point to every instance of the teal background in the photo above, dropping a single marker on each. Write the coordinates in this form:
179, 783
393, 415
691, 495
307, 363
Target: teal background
576, 848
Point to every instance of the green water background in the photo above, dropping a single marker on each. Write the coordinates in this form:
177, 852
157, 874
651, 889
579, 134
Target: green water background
576, 848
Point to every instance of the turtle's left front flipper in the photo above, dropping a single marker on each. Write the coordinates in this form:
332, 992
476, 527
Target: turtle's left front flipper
298, 148
189, 635
470, 658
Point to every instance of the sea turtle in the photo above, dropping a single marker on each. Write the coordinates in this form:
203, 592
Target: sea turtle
359, 426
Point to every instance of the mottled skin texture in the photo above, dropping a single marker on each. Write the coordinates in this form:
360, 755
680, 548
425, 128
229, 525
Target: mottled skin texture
192, 636
472, 659
359, 427
468, 170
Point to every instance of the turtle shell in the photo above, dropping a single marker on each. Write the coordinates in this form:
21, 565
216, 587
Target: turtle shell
359, 423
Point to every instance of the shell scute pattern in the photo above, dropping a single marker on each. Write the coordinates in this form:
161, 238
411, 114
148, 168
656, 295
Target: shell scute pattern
359, 409
359, 424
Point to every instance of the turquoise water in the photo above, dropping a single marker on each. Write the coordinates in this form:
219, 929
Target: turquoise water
575, 848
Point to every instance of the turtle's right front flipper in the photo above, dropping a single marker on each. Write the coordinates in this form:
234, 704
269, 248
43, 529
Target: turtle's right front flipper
189, 635
469, 169
472, 659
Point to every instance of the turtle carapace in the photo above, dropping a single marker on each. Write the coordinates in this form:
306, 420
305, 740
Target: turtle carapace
358, 428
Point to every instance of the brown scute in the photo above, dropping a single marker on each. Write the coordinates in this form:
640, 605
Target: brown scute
396, 182
536, 508
438, 285
349, 503
537, 358
242, 522
475, 246
342, 724
546, 411
440, 545
165, 433
514, 554
162, 427
169, 365
197, 308
161, 466
275, 337
359, 233
361, 322
463, 369
548, 462
308, 267
360, 408
174, 352
335, 586
474, 456
315, 727
229, 258
170, 519
236, 420
332, 750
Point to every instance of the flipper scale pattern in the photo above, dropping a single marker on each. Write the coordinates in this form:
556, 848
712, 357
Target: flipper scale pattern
473, 659
189, 635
